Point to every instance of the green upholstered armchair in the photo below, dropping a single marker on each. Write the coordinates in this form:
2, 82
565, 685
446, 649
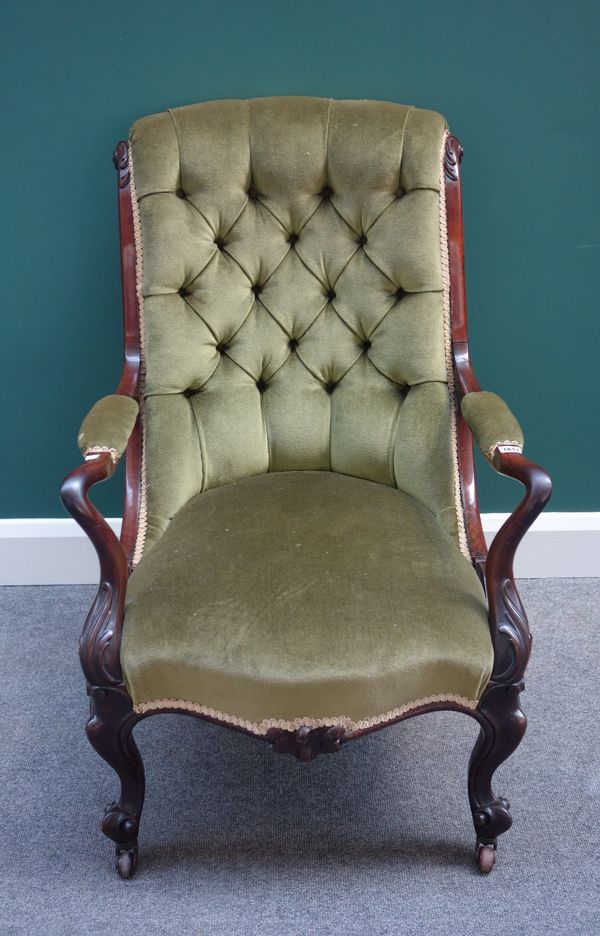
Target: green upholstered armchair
301, 556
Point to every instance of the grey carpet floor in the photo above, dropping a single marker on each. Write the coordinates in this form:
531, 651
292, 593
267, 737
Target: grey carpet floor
236, 840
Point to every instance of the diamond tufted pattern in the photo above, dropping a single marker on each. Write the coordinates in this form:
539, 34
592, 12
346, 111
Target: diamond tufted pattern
292, 290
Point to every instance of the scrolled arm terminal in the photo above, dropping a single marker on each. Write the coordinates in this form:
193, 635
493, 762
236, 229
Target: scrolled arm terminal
103, 438
500, 438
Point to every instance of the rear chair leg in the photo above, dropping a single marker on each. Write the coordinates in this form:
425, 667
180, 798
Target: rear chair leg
502, 728
109, 730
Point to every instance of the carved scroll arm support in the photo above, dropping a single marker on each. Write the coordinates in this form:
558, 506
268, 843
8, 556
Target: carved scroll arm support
100, 642
508, 621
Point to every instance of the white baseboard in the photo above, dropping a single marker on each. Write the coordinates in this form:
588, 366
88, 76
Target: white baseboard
558, 545
57, 552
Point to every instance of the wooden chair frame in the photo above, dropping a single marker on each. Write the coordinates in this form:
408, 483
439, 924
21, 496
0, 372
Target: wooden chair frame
112, 718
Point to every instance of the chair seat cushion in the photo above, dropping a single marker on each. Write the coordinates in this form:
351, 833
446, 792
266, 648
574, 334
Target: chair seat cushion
304, 597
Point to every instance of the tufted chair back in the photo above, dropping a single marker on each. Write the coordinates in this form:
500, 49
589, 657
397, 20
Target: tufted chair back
290, 258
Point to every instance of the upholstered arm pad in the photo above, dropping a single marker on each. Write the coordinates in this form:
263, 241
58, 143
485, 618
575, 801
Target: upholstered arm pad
108, 425
491, 422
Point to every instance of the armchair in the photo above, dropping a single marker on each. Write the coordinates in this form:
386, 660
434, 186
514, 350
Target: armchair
301, 557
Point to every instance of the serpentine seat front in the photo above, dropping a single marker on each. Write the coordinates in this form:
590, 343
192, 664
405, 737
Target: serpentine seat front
304, 598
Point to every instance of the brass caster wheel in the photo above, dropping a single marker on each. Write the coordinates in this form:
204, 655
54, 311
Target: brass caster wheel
486, 857
126, 861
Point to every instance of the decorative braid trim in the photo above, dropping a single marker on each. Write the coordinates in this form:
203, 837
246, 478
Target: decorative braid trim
139, 279
458, 504
93, 450
262, 727
508, 445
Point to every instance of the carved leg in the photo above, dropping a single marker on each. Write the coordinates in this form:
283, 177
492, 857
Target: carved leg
109, 731
502, 728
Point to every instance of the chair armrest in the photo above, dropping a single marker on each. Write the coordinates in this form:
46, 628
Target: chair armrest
500, 438
108, 425
491, 422
508, 621
100, 642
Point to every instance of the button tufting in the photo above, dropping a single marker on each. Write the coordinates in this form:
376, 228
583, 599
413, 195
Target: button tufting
294, 300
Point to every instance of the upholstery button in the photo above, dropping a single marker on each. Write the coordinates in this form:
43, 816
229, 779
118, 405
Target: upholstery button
180, 193
261, 385
330, 387
401, 192
331, 294
222, 347
326, 191
362, 240
399, 294
252, 193
191, 391
257, 289
220, 243
293, 343
366, 344
183, 291
293, 239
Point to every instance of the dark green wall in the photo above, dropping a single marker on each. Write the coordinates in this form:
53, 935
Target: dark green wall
519, 83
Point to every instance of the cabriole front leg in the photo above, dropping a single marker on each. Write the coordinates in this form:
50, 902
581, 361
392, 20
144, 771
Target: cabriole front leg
109, 730
502, 728
111, 713
499, 714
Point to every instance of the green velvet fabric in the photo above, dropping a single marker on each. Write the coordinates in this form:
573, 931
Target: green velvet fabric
292, 297
490, 420
305, 594
108, 424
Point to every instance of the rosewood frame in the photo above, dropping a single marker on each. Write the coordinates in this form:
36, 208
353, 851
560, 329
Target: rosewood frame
112, 718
